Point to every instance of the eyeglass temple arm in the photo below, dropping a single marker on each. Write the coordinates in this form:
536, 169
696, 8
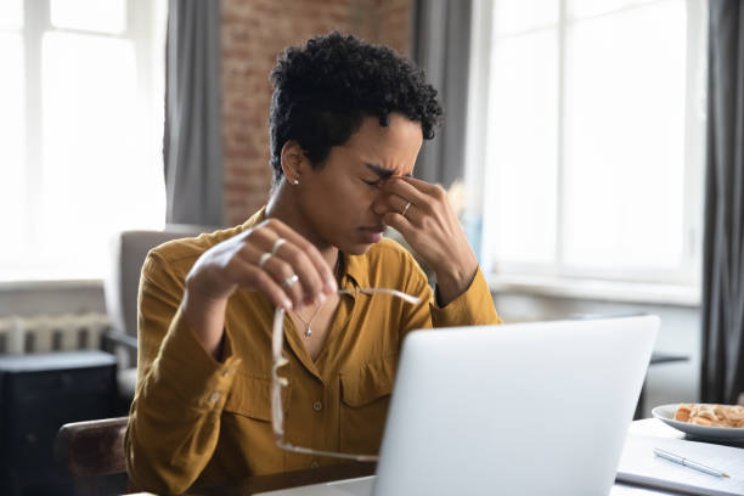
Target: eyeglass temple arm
413, 300
331, 454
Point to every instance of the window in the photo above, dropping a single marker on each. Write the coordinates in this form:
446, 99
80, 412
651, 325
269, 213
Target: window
594, 138
80, 132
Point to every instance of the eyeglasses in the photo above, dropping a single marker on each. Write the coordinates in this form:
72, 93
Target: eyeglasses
278, 382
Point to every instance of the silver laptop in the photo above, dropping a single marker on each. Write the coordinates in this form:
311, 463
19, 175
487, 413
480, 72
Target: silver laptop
520, 409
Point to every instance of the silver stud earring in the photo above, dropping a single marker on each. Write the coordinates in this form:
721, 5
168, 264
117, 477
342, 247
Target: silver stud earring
294, 182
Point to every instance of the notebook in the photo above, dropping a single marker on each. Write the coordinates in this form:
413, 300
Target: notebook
538, 409
639, 465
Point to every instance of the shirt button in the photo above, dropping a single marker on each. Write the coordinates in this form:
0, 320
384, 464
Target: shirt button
317, 406
314, 464
214, 397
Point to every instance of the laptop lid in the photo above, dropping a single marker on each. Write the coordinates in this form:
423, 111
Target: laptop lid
539, 409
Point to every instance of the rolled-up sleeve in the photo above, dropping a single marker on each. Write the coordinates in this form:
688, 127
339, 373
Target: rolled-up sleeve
473, 307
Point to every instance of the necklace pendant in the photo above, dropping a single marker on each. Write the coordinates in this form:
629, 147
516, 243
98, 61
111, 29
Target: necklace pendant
308, 332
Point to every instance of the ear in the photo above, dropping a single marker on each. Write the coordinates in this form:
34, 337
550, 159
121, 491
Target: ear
294, 161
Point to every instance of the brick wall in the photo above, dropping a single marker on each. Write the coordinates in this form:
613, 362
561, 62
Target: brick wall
254, 32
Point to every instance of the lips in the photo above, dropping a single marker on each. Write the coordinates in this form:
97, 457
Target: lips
372, 234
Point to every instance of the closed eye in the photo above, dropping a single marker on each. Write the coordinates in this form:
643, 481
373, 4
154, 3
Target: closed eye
373, 183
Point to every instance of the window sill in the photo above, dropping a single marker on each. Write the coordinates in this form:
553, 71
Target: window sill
601, 290
49, 285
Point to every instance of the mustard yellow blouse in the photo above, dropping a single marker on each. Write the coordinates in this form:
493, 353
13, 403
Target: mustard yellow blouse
194, 418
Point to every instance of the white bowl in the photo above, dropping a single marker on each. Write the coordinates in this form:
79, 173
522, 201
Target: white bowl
665, 413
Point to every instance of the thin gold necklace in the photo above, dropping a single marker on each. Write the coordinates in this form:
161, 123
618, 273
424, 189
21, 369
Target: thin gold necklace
308, 329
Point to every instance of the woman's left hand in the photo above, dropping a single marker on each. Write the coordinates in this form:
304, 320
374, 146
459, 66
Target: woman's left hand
421, 212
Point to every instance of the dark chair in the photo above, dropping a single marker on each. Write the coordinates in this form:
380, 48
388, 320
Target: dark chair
93, 453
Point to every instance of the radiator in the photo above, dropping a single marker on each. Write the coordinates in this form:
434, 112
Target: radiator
48, 333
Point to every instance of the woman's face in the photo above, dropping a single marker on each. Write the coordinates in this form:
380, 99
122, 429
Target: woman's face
341, 202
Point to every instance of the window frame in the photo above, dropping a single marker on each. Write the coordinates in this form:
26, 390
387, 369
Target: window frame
558, 273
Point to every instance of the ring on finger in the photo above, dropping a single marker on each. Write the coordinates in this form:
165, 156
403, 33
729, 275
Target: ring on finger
264, 258
405, 209
291, 280
277, 244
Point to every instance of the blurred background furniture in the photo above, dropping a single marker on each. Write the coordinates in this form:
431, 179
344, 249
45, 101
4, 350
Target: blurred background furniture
657, 358
121, 287
38, 393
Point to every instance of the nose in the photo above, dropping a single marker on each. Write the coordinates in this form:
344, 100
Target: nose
379, 206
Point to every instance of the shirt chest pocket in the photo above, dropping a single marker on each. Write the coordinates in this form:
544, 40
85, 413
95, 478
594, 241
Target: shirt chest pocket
250, 397
365, 396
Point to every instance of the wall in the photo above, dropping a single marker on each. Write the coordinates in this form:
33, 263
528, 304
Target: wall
680, 334
51, 298
254, 32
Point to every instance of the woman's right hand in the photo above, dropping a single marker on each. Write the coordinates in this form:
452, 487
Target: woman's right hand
291, 273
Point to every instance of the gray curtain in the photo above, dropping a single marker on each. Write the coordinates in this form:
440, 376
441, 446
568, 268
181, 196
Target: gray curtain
441, 48
192, 143
722, 378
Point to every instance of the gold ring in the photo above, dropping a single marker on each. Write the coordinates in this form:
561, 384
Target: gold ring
264, 258
278, 243
405, 209
288, 282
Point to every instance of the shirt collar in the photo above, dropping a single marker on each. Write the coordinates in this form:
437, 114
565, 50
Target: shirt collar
356, 272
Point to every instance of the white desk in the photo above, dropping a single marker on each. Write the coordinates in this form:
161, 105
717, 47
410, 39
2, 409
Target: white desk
648, 427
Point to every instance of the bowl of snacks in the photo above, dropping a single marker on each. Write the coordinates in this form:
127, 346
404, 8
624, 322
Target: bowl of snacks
704, 420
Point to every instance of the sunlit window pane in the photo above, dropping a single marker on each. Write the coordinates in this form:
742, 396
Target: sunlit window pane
11, 14
587, 8
106, 16
12, 149
624, 138
521, 198
514, 16
98, 177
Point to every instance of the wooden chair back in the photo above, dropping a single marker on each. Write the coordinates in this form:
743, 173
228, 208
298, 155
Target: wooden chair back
92, 448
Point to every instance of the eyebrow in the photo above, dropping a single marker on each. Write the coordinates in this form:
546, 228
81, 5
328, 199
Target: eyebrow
382, 172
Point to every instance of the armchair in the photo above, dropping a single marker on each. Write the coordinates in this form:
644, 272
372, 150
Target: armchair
121, 287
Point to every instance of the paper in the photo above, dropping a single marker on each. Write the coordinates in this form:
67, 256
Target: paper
639, 465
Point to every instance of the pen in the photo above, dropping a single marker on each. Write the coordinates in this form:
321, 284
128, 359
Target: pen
689, 463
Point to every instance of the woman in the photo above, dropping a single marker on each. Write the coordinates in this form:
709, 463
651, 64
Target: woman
347, 122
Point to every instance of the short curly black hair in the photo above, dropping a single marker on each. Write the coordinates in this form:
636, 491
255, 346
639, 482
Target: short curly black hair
324, 89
